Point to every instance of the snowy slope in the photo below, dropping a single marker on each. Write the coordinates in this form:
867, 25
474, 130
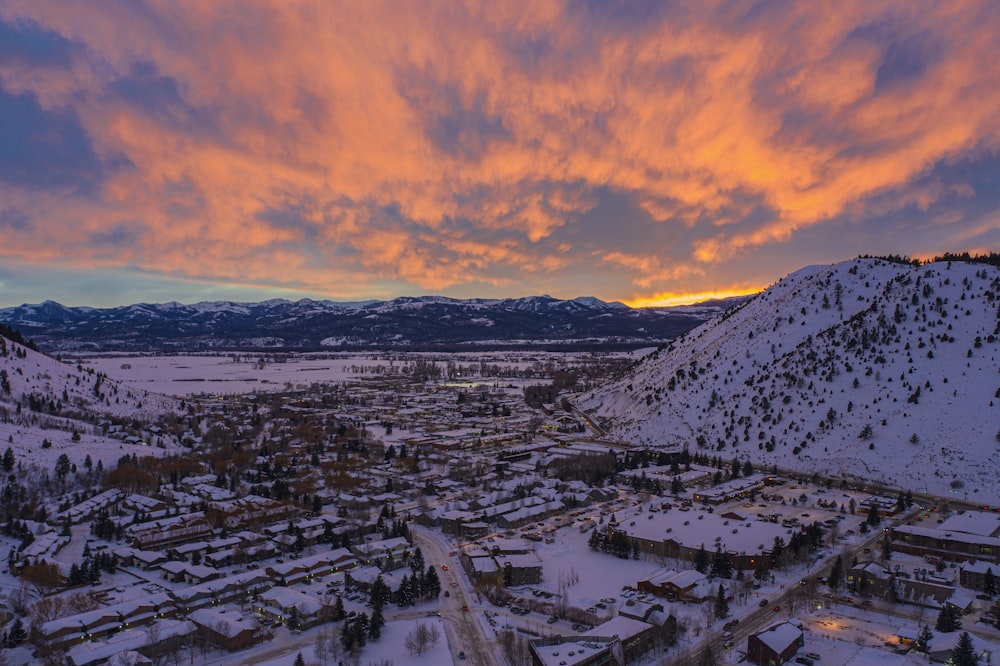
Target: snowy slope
73, 390
798, 375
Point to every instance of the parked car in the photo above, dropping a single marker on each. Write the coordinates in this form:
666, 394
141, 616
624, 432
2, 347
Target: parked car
763, 603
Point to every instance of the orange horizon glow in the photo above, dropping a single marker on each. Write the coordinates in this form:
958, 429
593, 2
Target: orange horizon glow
673, 300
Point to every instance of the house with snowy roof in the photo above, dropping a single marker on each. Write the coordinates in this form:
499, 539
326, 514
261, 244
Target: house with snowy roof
870, 578
775, 645
673, 585
226, 629
284, 604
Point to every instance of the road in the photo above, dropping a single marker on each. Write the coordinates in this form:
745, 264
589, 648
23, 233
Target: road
465, 634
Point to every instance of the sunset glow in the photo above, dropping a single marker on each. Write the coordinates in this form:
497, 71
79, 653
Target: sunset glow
645, 152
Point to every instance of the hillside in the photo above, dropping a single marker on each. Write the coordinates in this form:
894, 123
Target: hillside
43, 402
867, 368
308, 324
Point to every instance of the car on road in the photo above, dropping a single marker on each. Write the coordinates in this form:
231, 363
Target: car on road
763, 603
776, 608
465, 608
461, 655
552, 620
454, 584
729, 625
444, 567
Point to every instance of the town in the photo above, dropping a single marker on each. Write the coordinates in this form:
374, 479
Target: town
452, 510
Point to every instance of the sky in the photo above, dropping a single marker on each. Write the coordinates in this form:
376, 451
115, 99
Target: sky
642, 151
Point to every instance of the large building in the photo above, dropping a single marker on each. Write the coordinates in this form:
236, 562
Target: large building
620, 640
680, 534
964, 537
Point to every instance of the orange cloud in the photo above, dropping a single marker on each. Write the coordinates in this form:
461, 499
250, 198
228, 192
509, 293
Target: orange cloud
462, 143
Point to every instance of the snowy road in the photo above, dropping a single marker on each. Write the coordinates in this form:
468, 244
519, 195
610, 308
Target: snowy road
465, 634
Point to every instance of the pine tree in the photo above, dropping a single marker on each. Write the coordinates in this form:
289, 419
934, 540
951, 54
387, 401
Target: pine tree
405, 597
721, 566
17, 634
948, 619
431, 583
923, 639
375, 624
990, 585
701, 560
338, 609
836, 574
721, 604
777, 550
8, 460
964, 653
676, 487
300, 660
379, 593
360, 626
347, 637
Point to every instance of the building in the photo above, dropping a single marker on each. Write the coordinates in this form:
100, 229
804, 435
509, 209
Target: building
870, 578
775, 645
65, 632
289, 607
973, 574
682, 532
945, 544
519, 569
687, 586
227, 630
620, 640
737, 488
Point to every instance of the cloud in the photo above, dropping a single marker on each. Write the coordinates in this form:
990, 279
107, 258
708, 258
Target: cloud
349, 149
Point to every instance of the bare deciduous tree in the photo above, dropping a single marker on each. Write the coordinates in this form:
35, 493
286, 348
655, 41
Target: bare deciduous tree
422, 638
47, 609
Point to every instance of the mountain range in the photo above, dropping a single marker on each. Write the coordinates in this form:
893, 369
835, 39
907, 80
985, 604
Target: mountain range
869, 369
426, 321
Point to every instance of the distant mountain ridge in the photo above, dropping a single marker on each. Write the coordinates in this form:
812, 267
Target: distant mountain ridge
310, 324
869, 368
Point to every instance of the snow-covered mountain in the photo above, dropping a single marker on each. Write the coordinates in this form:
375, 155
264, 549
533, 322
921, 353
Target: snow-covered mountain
408, 321
868, 368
